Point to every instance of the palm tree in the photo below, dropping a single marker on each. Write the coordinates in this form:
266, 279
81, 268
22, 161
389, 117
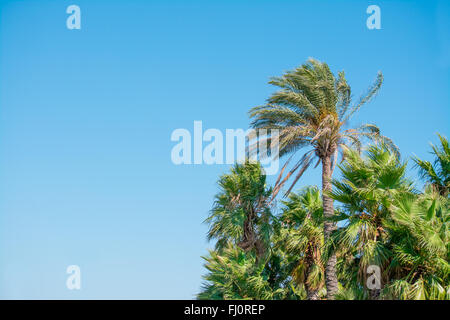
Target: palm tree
366, 191
420, 236
235, 274
311, 109
242, 224
392, 226
437, 174
302, 237
240, 214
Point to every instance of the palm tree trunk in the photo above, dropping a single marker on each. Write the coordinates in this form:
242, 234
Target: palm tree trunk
374, 294
312, 294
328, 211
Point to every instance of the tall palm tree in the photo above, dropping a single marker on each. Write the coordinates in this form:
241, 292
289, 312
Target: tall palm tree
437, 174
312, 109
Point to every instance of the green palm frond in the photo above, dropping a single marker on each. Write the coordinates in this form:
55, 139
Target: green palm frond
437, 174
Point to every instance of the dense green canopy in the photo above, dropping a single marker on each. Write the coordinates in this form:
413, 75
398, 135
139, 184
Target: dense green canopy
385, 224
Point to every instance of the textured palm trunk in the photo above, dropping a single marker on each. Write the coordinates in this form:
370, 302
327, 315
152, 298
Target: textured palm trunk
328, 211
312, 294
374, 294
250, 239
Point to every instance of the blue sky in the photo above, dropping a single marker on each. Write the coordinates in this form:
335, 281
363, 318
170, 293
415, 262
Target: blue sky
86, 116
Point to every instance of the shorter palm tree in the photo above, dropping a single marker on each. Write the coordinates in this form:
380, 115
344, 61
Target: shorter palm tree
234, 275
419, 232
241, 214
242, 224
391, 226
302, 237
369, 184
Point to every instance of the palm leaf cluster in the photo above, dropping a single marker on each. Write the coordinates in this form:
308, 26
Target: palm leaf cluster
391, 226
420, 247
233, 275
437, 174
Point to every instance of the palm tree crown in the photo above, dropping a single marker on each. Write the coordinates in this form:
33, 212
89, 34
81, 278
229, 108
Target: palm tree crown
311, 110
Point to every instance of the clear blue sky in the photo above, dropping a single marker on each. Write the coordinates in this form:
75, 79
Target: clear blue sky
86, 117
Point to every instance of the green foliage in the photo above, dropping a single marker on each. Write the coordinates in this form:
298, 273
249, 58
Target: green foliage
242, 200
419, 232
234, 274
385, 222
242, 266
437, 174
301, 237
390, 226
